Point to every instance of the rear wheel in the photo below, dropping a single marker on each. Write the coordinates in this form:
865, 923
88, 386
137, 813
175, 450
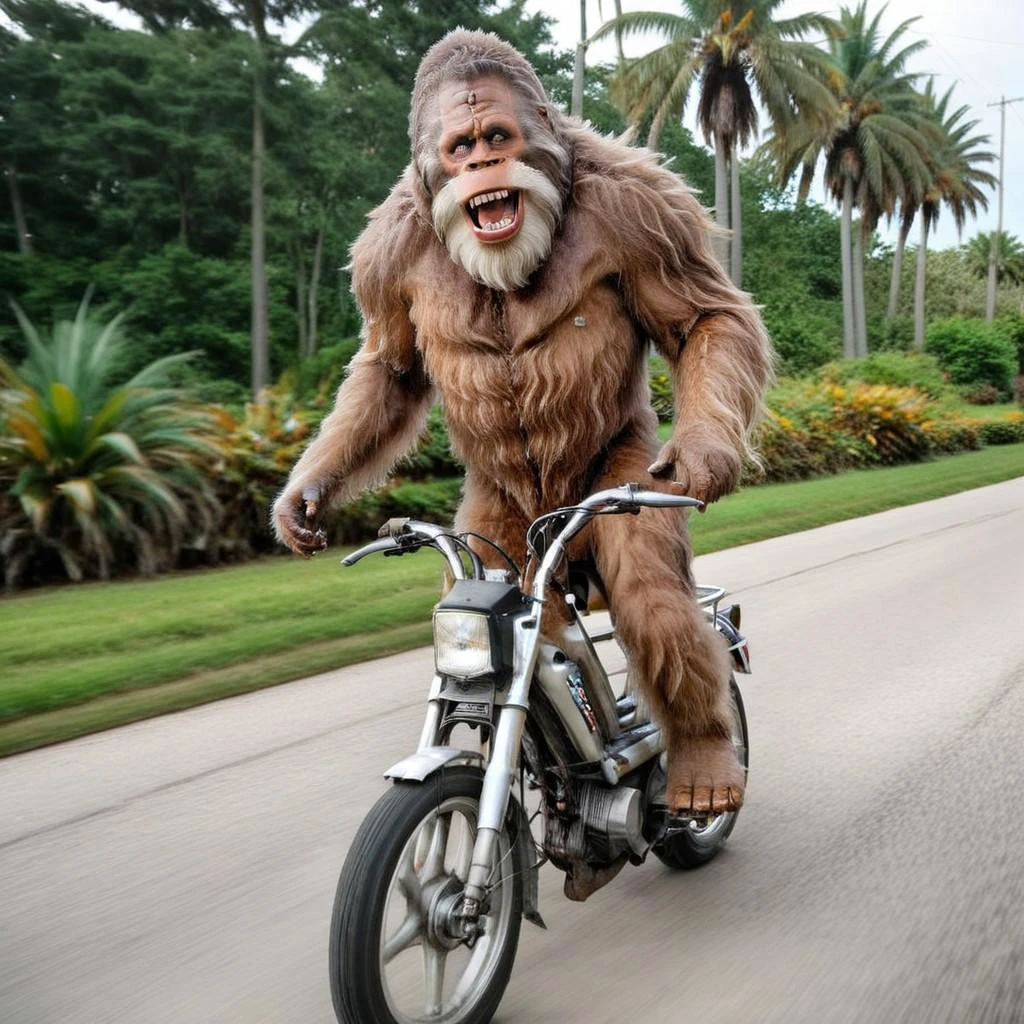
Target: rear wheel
395, 952
689, 846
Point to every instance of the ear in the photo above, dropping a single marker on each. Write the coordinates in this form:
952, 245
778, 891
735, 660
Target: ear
542, 113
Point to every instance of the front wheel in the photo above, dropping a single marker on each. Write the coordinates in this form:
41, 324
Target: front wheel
395, 957
692, 847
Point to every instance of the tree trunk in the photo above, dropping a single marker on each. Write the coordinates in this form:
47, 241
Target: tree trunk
922, 258
618, 34
314, 288
897, 267
657, 124
20, 225
260, 321
847, 268
859, 317
300, 297
721, 245
806, 180
581, 52
736, 216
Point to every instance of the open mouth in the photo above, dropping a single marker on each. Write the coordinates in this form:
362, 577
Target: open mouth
495, 216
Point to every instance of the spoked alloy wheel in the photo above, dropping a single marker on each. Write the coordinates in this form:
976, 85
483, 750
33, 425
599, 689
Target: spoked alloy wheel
691, 847
395, 954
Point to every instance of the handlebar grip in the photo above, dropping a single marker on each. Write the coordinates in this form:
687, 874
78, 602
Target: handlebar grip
384, 544
659, 499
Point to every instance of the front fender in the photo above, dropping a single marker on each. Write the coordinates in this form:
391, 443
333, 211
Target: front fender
416, 767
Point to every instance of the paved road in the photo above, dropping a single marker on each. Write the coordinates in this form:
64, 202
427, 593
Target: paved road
182, 870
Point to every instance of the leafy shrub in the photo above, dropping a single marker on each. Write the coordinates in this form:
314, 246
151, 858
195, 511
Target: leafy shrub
981, 394
896, 369
260, 447
97, 478
1012, 327
820, 427
973, 352
1009, 431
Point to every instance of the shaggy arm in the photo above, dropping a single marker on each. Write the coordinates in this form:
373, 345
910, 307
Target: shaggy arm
709, 332
382, 406
378, 416
720, 371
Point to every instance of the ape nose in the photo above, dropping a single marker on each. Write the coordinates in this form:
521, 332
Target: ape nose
478, 165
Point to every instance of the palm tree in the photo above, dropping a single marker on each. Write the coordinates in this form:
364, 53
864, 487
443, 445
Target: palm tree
876, 148
735, 57
957, 183
1009, 257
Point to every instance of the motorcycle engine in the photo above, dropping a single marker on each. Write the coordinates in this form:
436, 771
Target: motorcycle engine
608, 823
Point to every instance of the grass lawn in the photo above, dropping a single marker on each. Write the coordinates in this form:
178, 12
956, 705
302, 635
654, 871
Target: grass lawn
80, 658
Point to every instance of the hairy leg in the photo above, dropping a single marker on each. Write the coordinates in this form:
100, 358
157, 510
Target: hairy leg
486, 511
681, 663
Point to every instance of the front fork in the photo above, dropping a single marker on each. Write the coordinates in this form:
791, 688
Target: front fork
500, 773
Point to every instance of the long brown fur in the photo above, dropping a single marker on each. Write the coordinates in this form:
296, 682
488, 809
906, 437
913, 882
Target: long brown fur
545, 388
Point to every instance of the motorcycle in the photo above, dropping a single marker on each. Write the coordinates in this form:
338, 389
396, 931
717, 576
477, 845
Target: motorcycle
445, 866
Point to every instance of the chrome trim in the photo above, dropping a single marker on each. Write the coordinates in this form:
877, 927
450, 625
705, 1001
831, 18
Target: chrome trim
618, 763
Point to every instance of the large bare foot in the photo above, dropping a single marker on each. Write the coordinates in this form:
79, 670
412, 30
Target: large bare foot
704, 776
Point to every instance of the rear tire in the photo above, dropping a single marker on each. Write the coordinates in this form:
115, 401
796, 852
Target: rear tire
407, 863
690, 848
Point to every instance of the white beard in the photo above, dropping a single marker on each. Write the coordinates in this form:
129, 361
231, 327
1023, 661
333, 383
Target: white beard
507, 265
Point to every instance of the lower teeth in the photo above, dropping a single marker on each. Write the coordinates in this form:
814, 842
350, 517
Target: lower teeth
499, 225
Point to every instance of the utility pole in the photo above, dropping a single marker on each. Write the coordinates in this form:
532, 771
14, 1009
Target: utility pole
993, 257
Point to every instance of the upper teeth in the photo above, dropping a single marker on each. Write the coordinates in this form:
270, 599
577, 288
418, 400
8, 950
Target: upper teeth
487, 197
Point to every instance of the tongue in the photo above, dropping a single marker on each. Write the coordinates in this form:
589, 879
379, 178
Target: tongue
491, 213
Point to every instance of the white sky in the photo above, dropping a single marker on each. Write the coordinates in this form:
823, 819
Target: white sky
978, 46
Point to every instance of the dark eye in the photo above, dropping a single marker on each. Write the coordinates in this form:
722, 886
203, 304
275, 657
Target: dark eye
497, 136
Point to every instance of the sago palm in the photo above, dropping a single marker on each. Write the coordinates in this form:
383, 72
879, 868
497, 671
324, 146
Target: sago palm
734, 55
876, 149
95, 475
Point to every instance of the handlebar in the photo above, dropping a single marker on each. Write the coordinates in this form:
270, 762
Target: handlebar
631, 498
410, 535
385, 544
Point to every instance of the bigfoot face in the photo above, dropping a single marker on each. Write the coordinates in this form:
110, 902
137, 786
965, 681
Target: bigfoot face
495, 213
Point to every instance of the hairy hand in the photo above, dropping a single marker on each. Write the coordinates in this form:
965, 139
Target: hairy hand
295, 520
704, 467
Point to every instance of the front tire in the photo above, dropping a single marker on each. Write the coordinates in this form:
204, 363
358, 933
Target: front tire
392, 959
692, 847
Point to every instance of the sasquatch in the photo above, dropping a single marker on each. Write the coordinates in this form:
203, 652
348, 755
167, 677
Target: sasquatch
521, 269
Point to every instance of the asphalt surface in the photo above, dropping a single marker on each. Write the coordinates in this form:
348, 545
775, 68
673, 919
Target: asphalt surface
183, 869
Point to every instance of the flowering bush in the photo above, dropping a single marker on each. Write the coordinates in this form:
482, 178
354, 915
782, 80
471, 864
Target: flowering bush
818, 427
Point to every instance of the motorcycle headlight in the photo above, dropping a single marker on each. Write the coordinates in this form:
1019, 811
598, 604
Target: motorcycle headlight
462, 644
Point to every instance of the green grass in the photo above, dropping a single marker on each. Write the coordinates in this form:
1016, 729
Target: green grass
80, 658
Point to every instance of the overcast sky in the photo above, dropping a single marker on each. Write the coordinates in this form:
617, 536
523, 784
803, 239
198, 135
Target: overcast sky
978, 46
